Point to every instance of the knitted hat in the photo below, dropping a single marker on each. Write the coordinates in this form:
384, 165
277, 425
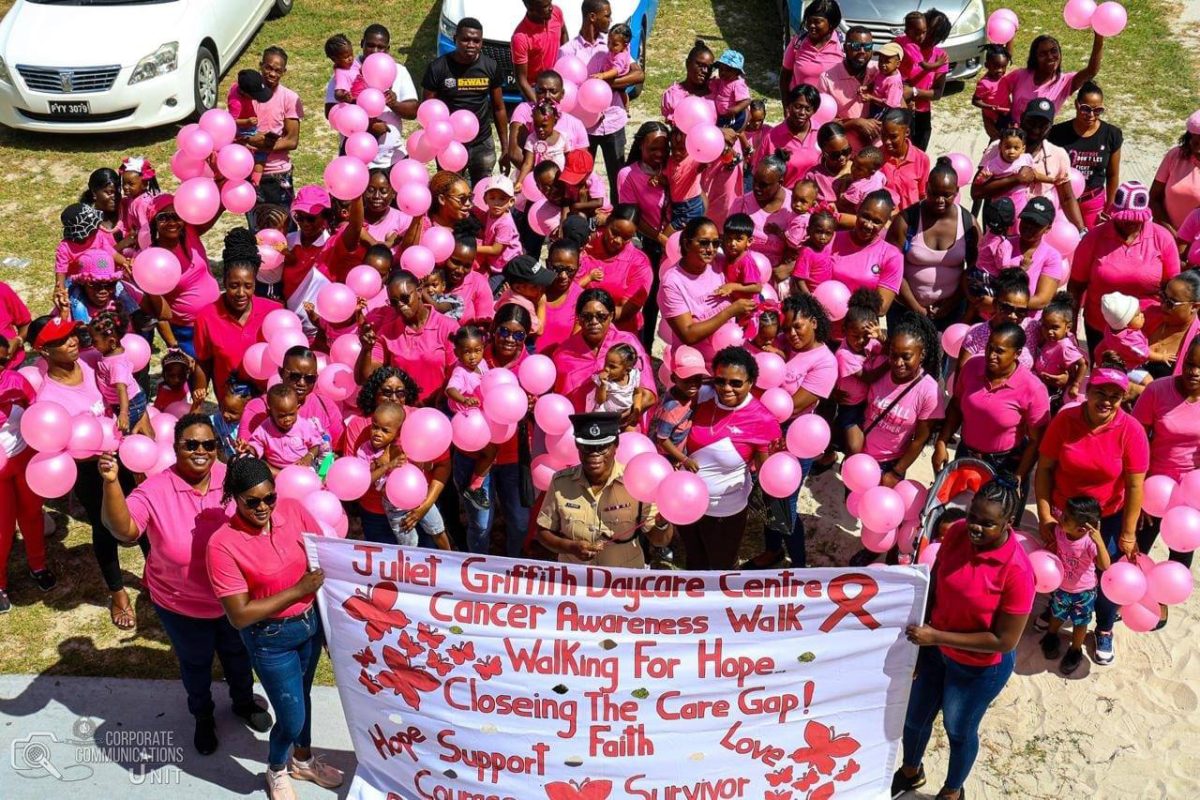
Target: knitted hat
1118, 310
1131, 202
96, 266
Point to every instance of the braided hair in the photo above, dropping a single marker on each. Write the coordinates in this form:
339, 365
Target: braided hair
921, 328
242, 473
1005, 490
270, 215
808, 306
241, 250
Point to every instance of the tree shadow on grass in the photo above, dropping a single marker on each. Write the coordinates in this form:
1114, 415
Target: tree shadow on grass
754, 29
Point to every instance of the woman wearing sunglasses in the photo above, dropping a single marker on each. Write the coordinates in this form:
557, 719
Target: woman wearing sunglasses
561, 296
259, 571
177, 511
1095, 150
1176, 325
612, 263
1011, 305
834, 144
450, 207
1129, 253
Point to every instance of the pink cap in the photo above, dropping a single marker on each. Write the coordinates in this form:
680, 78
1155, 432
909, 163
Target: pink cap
687, 362
311, 199
1193, 122
1109, 377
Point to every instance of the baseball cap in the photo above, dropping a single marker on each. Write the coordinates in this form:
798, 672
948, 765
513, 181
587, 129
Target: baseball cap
311, 199
688, 362
998, 215
733, 59
500, 183
891, 49
526, 269
250, 83
1038, 210
55, 330
1039, 107
578, 165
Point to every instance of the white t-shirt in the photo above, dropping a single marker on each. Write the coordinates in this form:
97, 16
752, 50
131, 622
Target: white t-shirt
391, 144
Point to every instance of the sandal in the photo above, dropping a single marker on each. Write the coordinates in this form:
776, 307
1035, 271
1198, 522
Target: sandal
122, 614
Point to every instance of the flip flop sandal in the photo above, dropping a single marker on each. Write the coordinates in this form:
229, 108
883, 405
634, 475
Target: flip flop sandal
122, 616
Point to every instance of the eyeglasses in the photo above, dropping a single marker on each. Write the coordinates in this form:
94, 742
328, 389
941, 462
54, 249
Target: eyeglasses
562, 267
595, 316
395, 394
858, 47
1084, 108
459, 199
845, 153
505, 333
732, 383
166, 216
254, 502
300, 216
104, 284
1009, 309
301, 377
192, 445
708, 243
1169, 302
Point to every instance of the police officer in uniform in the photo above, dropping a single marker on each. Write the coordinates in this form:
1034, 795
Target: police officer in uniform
588, 517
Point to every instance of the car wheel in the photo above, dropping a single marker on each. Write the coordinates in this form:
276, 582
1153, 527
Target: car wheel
636, 91
280, 8
206, 81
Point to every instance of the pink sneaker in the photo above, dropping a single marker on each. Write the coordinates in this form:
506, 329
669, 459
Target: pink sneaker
279, 786
315, 770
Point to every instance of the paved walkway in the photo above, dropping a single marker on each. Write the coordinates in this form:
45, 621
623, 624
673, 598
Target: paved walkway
101, 738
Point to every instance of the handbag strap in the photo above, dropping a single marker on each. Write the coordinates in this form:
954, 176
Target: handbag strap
892, 405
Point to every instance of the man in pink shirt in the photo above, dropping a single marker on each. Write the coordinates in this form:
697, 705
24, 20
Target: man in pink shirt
279, 115
843, 80
535, 42
299, 371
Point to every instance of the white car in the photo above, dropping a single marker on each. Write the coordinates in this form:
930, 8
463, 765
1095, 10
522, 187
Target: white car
97, 66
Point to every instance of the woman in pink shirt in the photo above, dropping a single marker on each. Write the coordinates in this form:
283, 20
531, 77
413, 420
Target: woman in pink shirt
981, 595
811, 53
1175, 191
862, 258
1099, 450
177, 511
642, 182
795, 136
298, 371
382, 222
1175, 325
561, 296
768, 203
466, 282
699, 67
834, 161
197, 287
71, 383
449, 208
1042, 75
611, 262
259, 571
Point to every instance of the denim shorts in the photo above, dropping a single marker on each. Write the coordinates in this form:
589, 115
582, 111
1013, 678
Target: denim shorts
849, 416
137, 408
1073, 607
686, 211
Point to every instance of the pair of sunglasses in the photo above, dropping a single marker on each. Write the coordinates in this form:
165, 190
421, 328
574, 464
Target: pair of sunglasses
254, 502
192, 445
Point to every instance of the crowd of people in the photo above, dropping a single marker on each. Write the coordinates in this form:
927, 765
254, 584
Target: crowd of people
717, 263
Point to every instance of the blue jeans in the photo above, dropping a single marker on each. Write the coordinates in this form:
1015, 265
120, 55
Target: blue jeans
685, 211
503, 485
378, 528
285, 655
962, 693
195, 641
1110, 532
185, 336
785, 525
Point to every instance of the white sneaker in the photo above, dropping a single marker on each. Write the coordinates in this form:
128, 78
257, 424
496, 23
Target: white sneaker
279, 785
1104, 648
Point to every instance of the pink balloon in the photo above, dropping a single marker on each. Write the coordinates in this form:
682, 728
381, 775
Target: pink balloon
570, 98
1078, 13
826, 110
728, 335
465, 125
439, 241
164, 430
543, 469
1157, 493
1000, 30
914, 495
1190, 484
270, 236
137, 349
256, 362
500, 376
693, 111
571, 69
296, 482
1078, 182
346, 178
46, 426
562, 448
878, 541
1180, 528
861, 472
963, 168
348, 478
197, 200
336, 302
431, 111
271, 258
834, 297
417, 260
438, 134
705, 143
194, 142
595, 95
771, 370
235, 161
345, 350
682, 498
156, 270
87, 436
336, 382
364, 281
278, 321
324, 506
1047, 571
426, 434
537, 374
220, 125
408, 171
643, 473
808, 436
929, 554
1139, 617
239, 197
470, 431
780, 475
952, 338
379, 71
138, 453
185, 167
1029, 542
778, 402
1062, 236
350, 120
632, 444
362, 146
1008, 14
1109, 19
882, 508
413, 199
407, 487
505, 405
551, 412
371, 101
33, 375
278, 345
543, 217
51, 475
453, 157
179, 409
418, 149
531, 190
1170, 583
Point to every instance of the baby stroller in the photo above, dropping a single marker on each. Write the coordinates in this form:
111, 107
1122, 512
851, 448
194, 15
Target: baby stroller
953, 488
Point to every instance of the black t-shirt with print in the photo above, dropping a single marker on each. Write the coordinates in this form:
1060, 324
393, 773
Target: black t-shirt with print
1089, 154
465, 87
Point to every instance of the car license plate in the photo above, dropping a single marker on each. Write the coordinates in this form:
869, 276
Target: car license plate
80, 108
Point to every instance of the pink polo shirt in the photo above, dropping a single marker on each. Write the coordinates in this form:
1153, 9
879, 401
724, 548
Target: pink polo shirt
673, 96
814, 370
727, 94
1094, 462
220, 338
325, 413
1174, 424
560, 320
906, 177
568, 125
771, 245
1019, 85
535, 44
890, 88
1104, 263
500, 230
998, 419
476, 295
681, 292
1189, 233
13, 312
577, 363
284, 448
627, 277
971, 586
843, 87
197, 287
802, 152
1057, 358
633, 186
911, 71
1180, 174
825, 181
340, 254
113, 371
426, 354
283, 105
468, 382
888, 440
178, 521
878, 265
84, 398
807, 62
262, 563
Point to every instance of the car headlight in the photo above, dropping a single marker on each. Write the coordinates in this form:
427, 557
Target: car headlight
4, 76
971, 20
447, 27
163, 60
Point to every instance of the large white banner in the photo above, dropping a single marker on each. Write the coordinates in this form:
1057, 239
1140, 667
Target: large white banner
466, 677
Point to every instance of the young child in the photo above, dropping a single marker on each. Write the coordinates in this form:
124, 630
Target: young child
544, 143
240, 103
114, 373
764, 330
860, 360
1078, 544
887, 88
989, 97
286, 438
742, 278
673, 417
433, 291
228, 416
1008, 158
686, 201
176, 382
617, 381
729, 92
752, 138
617, 60
923, 63
946, 520
340, 51
139, 186
805, 195
814, 264
1060, 363
500, 241
995, 255
463, 392
1123, 337
526, 283
866, 176
82, 231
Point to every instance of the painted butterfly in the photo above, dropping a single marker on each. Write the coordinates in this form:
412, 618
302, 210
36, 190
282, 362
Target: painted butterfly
366, 657
488, 668
824, 747
404, 679
587, 790
780, 776
375, 609
411, 647
429, 635
438, 664
462, 653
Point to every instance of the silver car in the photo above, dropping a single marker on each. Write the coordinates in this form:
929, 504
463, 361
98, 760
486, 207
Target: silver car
885, 20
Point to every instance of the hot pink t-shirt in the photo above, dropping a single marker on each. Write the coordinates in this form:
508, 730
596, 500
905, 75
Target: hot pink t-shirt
197, 287
500, 230
806, 62
284, 448
1078, 559
770, 245
826, 191
627, 277
890, 88
814, 267
1189, 232
850, 367
1174, 424
998, 419
815, 371
1132, 347
476, 295
906, 177
115, 370
1106, 264
1180, 174
66, 255
633, 186
468, 382
802, 152
393, 221
877, 265
568, 125
911, 70
1020, 87
748, 427
1094, 462
560, 321
262, 563
889, 439
82, 399
178, 522
971, 586
577, 363
425, 354
283, 105
13, 312
682, 292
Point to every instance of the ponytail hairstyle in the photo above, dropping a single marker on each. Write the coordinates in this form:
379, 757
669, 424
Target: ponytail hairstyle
646, 130
1012, 280
98, 180
944, 168
698, 49
921, 328
242, 473
241, 250
468, 332
937, 26
1064, 305
1005, 490
993, 49
864, 307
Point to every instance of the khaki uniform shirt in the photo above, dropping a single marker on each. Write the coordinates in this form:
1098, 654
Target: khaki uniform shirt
574, 510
